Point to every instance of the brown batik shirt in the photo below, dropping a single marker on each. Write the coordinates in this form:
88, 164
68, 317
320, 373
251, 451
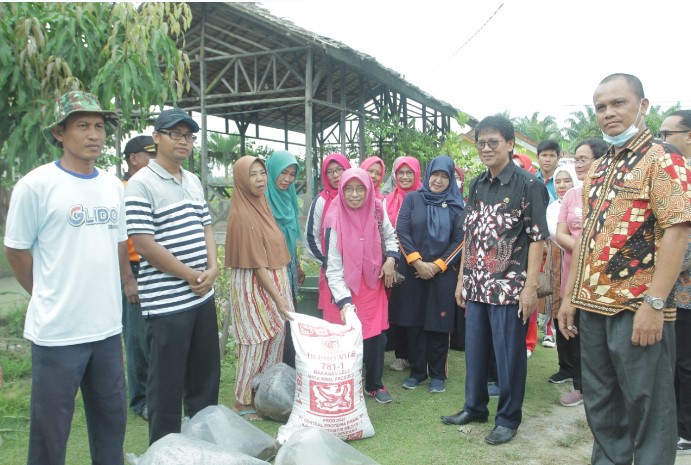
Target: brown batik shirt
629, 200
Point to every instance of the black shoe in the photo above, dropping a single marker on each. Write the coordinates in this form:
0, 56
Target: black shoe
559, 377
500, 435
462, 418
144, 414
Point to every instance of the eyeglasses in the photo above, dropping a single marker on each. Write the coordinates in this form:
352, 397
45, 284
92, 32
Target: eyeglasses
582, 161
177, 135
665, 134
360, 190
335, 171
493, 144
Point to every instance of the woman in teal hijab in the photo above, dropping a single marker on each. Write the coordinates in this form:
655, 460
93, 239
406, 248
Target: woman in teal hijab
282, 167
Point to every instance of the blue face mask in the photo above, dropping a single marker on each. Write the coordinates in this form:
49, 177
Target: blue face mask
624, 137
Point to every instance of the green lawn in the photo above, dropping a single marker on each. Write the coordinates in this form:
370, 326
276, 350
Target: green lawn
408, 431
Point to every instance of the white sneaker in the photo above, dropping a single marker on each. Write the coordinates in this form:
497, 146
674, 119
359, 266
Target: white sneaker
399, 364
548, 341
528, 353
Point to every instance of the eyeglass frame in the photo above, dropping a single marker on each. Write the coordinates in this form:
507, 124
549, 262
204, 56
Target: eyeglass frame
480, 145
359, 190
663, 135
334, 171
189, 137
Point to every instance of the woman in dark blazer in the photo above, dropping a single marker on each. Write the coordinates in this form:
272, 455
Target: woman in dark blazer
430, 233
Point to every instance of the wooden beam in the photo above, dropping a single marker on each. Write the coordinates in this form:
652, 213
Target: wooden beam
308, 125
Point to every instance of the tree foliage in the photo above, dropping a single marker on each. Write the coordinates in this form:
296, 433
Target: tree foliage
224, 150
538, 129
127, 56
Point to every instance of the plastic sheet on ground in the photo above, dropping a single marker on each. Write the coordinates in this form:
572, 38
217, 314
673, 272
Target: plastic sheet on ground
276, 393
219, 425
178, 449
316, 446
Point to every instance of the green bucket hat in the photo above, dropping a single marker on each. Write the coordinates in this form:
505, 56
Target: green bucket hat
73, 102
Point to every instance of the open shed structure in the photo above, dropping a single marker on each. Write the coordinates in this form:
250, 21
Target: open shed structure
258, 70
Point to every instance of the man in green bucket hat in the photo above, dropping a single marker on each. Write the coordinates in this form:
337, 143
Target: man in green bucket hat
65, 238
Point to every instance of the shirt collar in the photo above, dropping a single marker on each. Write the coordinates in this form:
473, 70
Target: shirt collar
635, 144
161, 172
504, 176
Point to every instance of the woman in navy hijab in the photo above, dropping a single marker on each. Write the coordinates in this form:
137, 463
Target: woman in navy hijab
430, 232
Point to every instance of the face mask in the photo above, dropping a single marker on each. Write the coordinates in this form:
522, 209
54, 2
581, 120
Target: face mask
459, 183
624, 137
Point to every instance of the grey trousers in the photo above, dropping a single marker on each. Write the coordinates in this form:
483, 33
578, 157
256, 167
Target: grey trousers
628, 392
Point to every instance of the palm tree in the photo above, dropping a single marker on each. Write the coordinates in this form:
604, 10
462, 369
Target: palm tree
538, 129
223, 150
655, 116
582, 125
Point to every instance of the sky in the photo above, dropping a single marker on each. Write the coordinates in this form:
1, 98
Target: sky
531, 56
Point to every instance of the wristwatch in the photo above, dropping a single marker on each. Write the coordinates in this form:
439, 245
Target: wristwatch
655, 302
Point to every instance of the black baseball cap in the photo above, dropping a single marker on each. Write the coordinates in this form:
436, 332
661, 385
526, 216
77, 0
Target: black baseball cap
169, 118
140, 144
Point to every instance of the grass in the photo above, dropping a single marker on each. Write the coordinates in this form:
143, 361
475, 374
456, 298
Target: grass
408, 430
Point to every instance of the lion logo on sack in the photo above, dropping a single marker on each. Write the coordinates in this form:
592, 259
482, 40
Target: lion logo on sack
332, 398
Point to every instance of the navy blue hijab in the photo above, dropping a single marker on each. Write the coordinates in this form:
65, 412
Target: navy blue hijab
439, 205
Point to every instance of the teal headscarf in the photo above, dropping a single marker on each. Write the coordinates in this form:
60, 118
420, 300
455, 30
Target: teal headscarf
284, 204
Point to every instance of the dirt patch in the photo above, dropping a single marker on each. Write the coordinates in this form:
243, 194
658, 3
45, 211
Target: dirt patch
562, 436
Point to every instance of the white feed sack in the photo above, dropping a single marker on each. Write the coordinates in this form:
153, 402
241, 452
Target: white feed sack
328, 393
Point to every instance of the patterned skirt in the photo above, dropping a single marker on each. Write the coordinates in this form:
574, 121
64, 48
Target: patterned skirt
255, 316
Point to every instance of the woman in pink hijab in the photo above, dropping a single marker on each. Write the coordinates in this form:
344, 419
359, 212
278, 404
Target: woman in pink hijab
332, 169
407, 174
362, 250
406, 171
376, 170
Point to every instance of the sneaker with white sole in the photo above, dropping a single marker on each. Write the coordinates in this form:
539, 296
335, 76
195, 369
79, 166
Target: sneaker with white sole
559, 377
436, 386
380, 395
548, 342
399, 364
683, 447
410, 383
571, 399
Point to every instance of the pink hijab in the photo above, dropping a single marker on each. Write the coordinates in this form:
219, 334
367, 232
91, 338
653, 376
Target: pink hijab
357, 233
525, 161
395, 199
329, 193
365, 165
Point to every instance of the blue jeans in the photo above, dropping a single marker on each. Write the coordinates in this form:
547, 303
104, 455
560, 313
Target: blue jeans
57, 373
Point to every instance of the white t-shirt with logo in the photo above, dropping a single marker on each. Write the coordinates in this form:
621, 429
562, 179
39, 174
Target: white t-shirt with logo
72, 224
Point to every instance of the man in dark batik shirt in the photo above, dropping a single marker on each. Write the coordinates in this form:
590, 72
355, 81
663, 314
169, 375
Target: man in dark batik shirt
504, 230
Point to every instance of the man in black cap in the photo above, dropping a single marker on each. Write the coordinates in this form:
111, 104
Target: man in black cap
138, 151
169, 223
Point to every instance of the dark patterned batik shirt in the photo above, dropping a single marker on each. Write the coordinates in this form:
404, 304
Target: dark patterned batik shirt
503, 216
628, 201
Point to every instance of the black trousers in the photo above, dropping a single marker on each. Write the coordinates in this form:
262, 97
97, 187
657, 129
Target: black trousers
569, 353
428, 353
682, 375
184, 367
373, 357
57, 372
